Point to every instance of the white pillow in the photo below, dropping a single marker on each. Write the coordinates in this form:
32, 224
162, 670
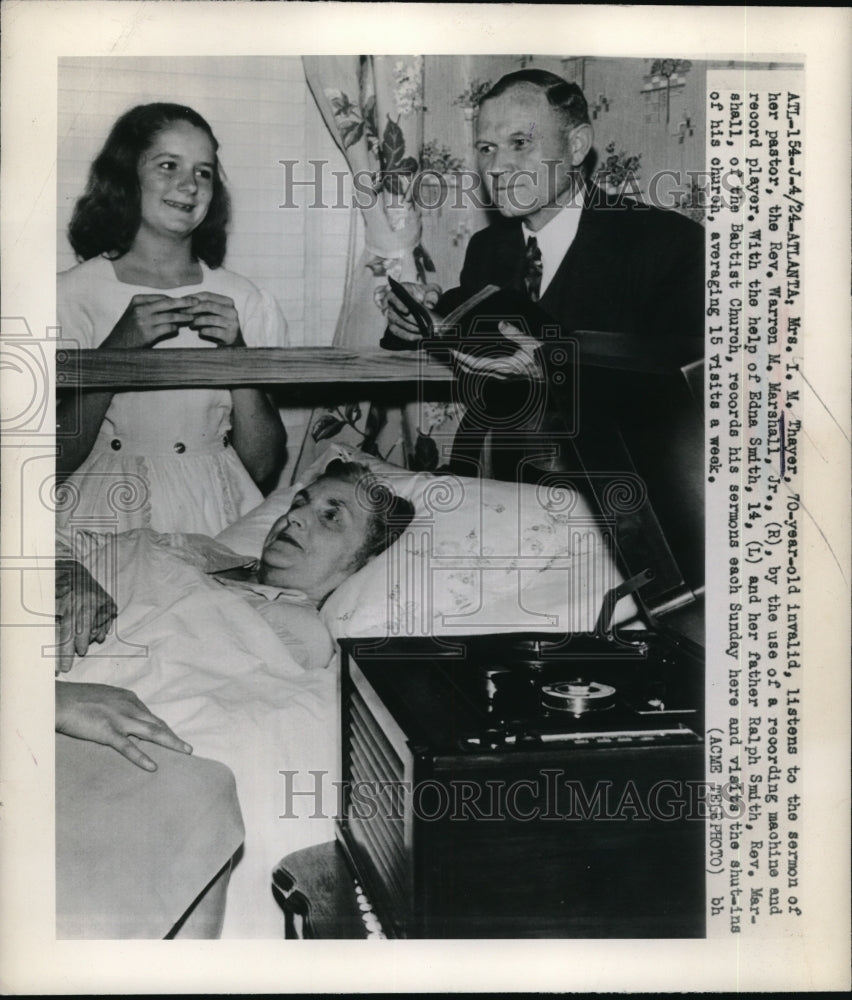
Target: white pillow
479, 556
482, 556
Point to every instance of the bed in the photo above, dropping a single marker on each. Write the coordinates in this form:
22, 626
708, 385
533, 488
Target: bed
205, 661
480, 556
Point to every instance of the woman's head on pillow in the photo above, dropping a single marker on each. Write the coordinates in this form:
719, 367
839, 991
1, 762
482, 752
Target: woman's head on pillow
334, 526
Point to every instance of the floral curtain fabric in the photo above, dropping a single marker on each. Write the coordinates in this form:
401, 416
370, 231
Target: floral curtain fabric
373, 107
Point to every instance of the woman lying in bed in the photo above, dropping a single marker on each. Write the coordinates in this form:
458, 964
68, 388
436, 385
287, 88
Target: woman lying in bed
218, 677
482, 556
334, 526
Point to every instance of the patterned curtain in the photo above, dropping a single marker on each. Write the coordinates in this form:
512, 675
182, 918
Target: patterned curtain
373, 106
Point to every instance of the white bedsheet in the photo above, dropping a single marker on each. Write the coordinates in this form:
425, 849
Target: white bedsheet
201, 658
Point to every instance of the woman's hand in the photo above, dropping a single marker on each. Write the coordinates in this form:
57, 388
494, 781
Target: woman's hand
111, 716
214, 317
150, 318
84, 611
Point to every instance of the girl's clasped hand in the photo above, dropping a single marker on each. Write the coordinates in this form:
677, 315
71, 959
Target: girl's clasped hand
149, 319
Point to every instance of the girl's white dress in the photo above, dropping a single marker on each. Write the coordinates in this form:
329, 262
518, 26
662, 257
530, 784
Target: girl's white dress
162, 458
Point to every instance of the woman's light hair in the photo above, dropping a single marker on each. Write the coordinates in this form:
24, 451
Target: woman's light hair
388, 515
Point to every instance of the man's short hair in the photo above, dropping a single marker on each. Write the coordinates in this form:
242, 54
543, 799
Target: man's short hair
388, 515
566, 98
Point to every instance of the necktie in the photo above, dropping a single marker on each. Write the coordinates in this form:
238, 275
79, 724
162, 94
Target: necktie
532, 268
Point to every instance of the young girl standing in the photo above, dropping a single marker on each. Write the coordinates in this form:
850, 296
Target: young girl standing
151, 231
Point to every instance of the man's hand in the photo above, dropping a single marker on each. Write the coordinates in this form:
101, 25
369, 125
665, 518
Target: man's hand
400, 321
84, 611
524, 363
111, 716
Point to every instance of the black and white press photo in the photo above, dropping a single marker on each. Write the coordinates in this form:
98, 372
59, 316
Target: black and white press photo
407, 463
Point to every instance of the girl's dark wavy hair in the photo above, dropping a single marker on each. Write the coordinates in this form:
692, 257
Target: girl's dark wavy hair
106, 218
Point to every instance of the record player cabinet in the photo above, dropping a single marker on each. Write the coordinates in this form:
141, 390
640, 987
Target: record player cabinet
545, 826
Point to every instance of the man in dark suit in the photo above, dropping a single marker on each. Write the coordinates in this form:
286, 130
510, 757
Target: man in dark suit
603, 263
591, 262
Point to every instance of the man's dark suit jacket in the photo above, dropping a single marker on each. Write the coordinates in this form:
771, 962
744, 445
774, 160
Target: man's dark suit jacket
632, 269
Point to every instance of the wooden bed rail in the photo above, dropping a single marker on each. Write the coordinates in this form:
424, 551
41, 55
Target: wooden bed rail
307, 366
315, 367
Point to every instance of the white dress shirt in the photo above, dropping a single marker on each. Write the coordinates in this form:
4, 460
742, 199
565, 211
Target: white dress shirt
555, 239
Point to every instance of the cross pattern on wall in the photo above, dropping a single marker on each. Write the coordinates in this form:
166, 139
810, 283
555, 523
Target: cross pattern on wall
664, 76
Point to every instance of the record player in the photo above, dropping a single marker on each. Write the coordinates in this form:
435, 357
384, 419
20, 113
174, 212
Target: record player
525, 786
542, 785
